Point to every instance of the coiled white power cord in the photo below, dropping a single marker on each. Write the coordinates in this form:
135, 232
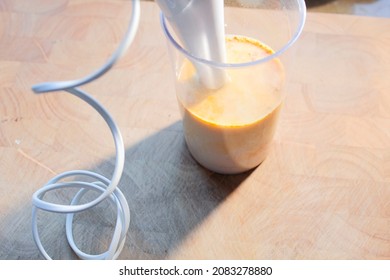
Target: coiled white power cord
107, 188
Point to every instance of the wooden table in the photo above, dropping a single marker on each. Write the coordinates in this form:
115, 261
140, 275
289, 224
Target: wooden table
323, 192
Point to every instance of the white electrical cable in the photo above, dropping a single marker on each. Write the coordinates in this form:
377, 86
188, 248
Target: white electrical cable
107, 188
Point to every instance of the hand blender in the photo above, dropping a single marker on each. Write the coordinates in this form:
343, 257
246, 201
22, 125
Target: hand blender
199, 24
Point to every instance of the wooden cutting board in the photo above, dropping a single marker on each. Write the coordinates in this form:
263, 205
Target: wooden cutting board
322, 193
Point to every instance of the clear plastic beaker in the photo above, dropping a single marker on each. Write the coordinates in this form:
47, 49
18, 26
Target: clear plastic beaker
230, 129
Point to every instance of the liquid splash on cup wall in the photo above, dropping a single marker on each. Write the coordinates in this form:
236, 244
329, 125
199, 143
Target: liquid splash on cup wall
230, 129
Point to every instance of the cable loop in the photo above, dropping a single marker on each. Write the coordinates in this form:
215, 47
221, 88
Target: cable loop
106, 187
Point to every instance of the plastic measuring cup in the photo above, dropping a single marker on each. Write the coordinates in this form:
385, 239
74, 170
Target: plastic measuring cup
230, 130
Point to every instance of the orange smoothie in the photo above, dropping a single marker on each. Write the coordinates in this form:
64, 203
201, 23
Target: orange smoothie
229, 130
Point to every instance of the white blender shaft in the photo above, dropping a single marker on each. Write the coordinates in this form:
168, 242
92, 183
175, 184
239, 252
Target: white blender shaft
199, 24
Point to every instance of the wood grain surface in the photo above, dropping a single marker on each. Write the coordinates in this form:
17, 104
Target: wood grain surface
322, 193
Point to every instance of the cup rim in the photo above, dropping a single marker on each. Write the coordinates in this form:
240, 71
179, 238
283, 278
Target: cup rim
293, 39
